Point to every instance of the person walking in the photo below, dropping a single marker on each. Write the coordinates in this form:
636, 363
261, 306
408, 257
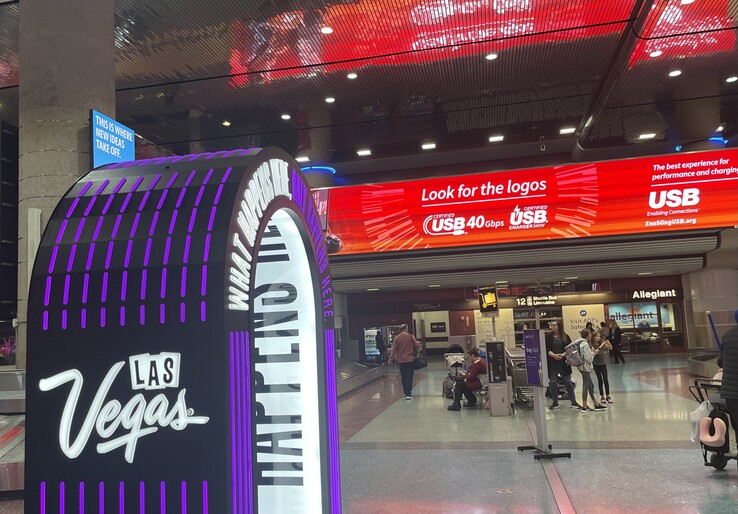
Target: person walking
404, 349
470, 382
600, 365
616, 340
729, 358
588, 353
381, 347
556, 341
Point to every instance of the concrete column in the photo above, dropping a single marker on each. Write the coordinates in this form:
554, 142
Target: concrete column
714, 290
67, 58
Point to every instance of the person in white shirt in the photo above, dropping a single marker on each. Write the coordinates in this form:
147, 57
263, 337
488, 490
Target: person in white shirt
587, 353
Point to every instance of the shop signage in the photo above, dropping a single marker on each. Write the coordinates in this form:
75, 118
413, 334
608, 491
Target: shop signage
535, 300
437, 327
180, 342
655, 294
111, 141
488, 299
644, 195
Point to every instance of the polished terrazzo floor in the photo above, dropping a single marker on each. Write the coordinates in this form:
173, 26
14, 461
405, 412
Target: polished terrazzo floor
414, 456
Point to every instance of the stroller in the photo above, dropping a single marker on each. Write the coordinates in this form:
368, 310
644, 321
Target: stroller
714, 428
455, 360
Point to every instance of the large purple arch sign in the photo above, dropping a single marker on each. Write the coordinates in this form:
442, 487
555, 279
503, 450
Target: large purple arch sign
180, 343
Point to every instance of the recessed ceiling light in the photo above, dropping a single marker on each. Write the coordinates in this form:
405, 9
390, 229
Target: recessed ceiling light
302, 158
655, 53
491, 57
675, 73
226, 123
326, 30
286, 116
570, 278
330, 100
352, 75
373, 289
567, 130
428, 146
731, 79
435, 285
363, 152
496, 139
649, 135
719, 129
646, 273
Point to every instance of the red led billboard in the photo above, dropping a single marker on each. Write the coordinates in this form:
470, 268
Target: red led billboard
653, 194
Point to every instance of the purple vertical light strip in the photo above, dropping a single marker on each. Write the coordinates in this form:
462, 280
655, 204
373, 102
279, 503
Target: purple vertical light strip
204, 280
121, 496
65, 297
204, 497
144, 199
64, 319
184, 497
42, 498
144, 275
61, 231
109, 256
183, 282
189, 179
101, 497
81, 498
90, 253
203, 313
52, 261
47, 293
238, 457
153, 223
212, 218
122, 316
172, 221
114, 234
334, 471
182, 312
46, 320
124, 286
129, 250
234, 452
142, 314
70, 262
207, 177
162, 314
186, 257
96, 234
206, 252
217, 194
73, 206
130, 193
163, 497
62, 499
83, 318
180, 197
85, 189
191, 224
199, 195
141, 498
167, 247
102, 316
85, 287
163, 290
225, 175
115, 192
104, 295
136, 219
148, 252
79, 229
247, 421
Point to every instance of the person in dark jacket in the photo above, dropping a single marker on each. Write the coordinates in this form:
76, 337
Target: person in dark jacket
381, 347
558, 369
470, 382
729, 387
616, 340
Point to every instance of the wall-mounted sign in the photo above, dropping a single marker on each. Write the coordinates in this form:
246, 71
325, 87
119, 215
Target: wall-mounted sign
487, 298
180, 343
640, 295
438, 327
111, 141
535, 300
644, 195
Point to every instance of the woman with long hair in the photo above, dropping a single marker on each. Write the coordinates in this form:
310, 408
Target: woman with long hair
558, 369
600, 365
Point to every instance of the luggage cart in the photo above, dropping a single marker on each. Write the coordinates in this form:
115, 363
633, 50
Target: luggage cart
715, 456
522, 390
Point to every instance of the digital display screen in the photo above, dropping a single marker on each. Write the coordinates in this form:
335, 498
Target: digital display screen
652, 194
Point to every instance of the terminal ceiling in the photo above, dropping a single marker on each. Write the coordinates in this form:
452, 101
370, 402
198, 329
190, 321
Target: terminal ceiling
451, 72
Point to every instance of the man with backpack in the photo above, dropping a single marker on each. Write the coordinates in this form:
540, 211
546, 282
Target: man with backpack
556, 341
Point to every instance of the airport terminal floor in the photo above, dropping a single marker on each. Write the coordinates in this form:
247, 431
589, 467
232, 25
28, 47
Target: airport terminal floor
415, 457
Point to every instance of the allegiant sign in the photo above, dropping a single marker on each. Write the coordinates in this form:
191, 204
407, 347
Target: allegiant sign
181, 348
672, 192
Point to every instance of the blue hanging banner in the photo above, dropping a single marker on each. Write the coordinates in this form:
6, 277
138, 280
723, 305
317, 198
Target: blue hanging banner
111, 141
